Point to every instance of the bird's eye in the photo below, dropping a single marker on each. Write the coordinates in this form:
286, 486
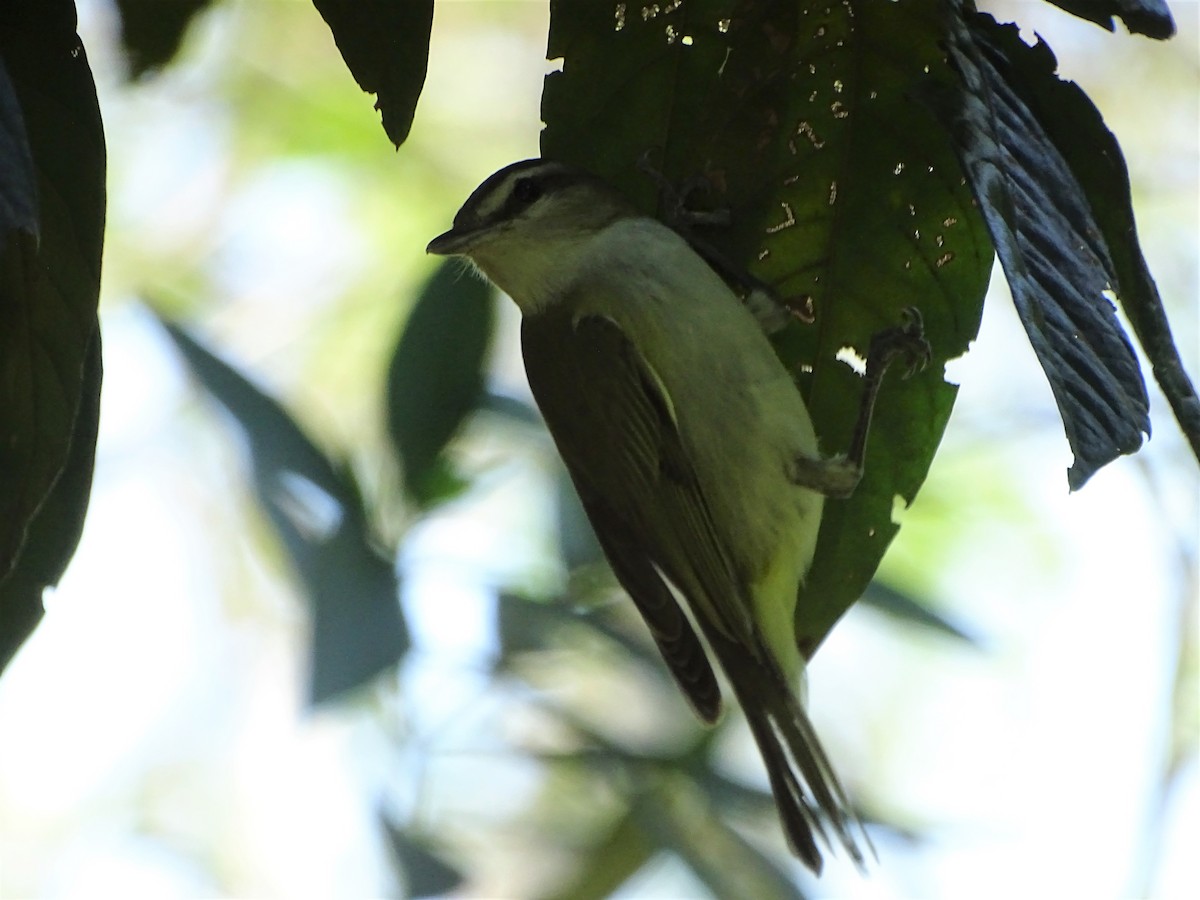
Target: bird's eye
527, 190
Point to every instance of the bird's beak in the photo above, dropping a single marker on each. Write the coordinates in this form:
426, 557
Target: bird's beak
449, 243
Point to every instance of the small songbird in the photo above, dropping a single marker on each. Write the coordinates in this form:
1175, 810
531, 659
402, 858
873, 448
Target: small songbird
688, 443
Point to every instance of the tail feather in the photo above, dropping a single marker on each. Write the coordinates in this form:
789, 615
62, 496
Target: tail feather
810, 799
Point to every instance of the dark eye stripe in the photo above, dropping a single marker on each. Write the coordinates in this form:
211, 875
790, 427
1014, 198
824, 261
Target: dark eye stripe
520, 188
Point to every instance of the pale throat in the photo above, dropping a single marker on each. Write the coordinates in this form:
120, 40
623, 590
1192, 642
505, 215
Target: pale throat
535, 274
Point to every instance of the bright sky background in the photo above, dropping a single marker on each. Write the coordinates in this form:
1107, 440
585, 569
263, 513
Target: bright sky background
153, 740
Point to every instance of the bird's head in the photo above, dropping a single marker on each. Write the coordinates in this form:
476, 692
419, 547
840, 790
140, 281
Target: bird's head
527, 226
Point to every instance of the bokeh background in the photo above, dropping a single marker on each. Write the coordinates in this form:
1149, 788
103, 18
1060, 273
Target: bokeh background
155, 738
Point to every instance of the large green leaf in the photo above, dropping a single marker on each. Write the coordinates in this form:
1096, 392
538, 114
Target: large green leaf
436, 375
52, 207
385, 44
808, 123
315, 508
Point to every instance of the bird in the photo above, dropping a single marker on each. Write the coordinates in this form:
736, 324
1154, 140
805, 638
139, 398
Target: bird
690, 447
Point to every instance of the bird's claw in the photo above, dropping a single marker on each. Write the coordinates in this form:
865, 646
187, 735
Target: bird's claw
905, 342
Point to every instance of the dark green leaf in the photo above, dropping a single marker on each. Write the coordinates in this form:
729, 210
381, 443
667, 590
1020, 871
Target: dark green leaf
435, 378
1149, 17
843, 188
385, 44
357, 626
1054, 254
152, 30
905, 608
52, 207
424, 873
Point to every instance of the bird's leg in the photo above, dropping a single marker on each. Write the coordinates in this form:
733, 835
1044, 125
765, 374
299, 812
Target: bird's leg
839, 476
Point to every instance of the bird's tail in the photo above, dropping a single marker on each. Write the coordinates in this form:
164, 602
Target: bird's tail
807, 792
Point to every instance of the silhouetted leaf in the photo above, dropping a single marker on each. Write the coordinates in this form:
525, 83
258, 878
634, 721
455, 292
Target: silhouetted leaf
357, 626
1055, 255
152, 30
1149, 17
52, 208
424, 873
843, 188
436, 375
385, 44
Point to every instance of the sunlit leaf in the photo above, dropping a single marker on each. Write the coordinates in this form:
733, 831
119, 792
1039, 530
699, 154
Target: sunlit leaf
357, 627
806, 121
385, 44
52, 209
435, 378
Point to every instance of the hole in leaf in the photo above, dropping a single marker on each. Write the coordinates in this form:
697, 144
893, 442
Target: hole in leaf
788, 222
852, 358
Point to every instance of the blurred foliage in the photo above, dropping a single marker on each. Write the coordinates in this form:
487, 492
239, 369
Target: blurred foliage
316, 509
436, 377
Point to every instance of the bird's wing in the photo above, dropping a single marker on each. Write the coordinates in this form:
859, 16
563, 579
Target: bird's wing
669, 626
637, 479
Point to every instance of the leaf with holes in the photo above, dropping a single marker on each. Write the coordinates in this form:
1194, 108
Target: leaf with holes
806, 121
